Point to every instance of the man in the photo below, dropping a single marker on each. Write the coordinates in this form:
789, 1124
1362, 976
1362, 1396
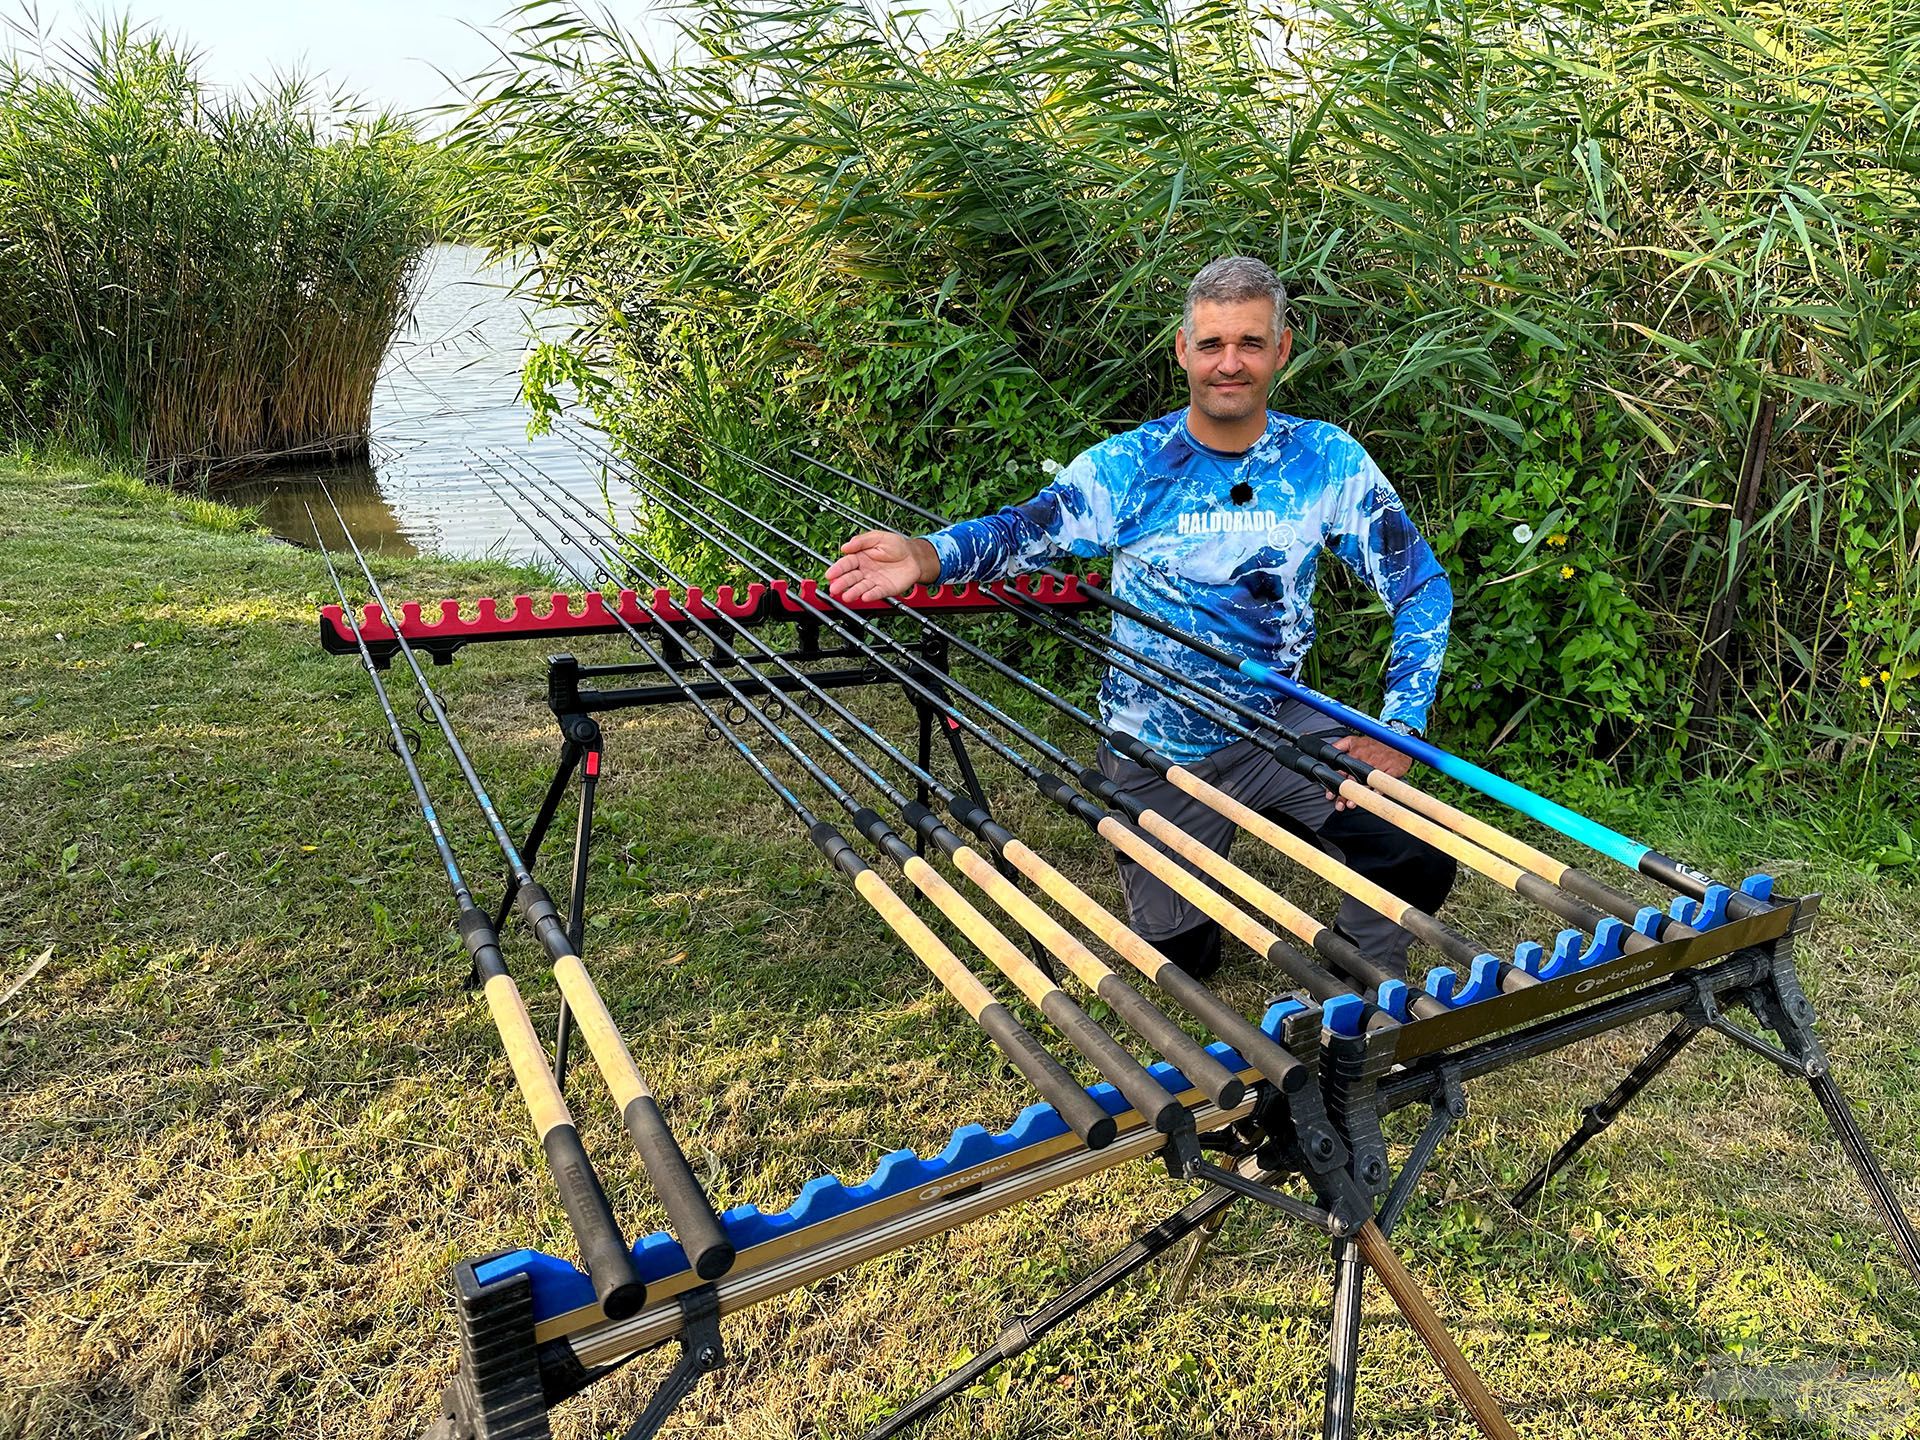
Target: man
1215, 518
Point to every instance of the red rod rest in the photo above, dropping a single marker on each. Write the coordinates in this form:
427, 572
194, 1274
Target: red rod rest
592, 613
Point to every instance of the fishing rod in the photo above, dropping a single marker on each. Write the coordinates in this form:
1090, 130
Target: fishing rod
1121, 1070
1351, 1213
1223, 1087
1444, 937
1631, 853
1271, 1060
1486, 968
1503, 858
694, 1221
1452, 943
609, 1263
1323, 939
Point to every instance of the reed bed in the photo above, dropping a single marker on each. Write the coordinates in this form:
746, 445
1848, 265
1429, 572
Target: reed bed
197, 281
1623, 298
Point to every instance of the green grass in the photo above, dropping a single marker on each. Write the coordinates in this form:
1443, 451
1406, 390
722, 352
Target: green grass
248, 1118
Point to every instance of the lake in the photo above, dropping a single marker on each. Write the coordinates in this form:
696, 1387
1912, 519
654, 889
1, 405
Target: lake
448, 394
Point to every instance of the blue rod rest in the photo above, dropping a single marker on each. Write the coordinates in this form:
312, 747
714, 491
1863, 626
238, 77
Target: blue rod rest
1527, 956
1649, 921
1344, 1014
1392, 997
1565, 959
1713, 908
1485, 980
1274, 1023
1760, 887
1609, 943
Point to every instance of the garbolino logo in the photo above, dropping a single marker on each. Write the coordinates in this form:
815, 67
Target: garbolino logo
1235, 522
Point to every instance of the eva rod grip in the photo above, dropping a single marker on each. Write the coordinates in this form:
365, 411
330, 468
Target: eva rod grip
692, 1217
1059, 1089
1120, 1069
1088, 778
609, 1263
1049, 1079
1175, 1045
1344, 953
1315, 979
1271, 1060
928, 825
872, 824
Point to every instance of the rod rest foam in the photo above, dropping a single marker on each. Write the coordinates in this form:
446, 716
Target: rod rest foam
1711, 909
560, 1287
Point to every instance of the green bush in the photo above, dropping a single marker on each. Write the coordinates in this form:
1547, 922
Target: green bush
190, 280
1563, 270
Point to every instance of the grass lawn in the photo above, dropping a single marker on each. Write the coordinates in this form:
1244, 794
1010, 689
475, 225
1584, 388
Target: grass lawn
248, 1117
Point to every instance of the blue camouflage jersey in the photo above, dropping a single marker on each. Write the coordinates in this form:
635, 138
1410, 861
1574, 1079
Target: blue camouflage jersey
1240, 575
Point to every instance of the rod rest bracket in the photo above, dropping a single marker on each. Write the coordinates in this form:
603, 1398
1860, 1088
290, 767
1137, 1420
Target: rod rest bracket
701, 1351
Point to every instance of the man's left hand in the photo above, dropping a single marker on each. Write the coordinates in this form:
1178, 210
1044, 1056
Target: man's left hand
1370, 752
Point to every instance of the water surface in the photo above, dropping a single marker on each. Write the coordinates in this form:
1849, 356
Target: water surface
447, 400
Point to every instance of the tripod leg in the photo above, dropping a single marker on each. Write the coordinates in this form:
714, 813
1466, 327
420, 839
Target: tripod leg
1023, 1333
549, 806
577, 902
1343, 1349
1413, 1305
1196, 1247
1343, 1345
1784, 1009
1878, 1187
1599, 1116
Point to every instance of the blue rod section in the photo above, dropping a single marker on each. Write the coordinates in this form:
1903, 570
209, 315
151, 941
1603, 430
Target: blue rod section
1572, 824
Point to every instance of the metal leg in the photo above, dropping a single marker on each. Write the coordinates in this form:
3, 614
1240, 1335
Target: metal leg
1782, 1006
1202, 1238
1878, 1187
577, 902
1343, 1344
1343, 1341
1023, 1333
570, 751
1599, 1116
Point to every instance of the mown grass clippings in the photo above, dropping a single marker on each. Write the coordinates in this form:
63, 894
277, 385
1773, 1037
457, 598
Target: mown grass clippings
249, 1117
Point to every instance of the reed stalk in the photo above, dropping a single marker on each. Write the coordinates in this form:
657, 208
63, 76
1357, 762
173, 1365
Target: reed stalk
1551, 264
196, 281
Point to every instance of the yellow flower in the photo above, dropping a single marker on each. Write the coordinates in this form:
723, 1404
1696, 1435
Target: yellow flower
1557, 538
1566, 572
1885, 676
1866, 682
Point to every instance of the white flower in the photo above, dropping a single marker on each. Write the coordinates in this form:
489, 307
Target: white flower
1522, 533
1049, 468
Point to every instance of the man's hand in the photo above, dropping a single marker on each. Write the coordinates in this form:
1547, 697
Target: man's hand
880, 564
1370, 752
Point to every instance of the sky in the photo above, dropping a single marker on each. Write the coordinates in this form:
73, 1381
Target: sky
384, 51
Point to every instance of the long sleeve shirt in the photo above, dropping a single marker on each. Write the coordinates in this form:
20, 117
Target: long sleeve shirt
1226, 548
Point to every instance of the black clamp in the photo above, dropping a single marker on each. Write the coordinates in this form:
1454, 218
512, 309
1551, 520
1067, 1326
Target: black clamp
700, 1352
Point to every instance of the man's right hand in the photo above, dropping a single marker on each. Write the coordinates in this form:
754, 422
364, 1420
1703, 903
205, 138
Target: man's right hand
880, 564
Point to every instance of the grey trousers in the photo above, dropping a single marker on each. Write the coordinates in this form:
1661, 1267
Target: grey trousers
1257, 780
